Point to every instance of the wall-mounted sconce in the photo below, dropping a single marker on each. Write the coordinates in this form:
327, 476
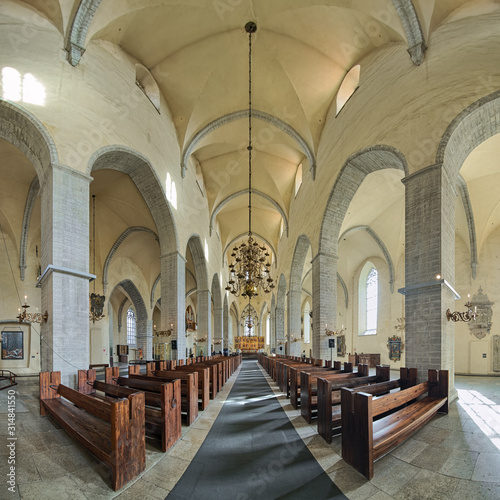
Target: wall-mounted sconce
163, 333
469, 315
331, 333
26, 317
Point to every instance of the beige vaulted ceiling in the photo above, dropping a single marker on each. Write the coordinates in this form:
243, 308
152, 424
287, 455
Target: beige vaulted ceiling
197, 52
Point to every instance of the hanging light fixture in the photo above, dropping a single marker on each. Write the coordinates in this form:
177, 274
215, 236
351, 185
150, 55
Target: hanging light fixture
96, 300
249, 272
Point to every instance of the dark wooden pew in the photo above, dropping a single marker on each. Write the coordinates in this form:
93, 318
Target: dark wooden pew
329, 396
189, 387
295, 377
203, 379
400, 414
162, 411
309, 387
283, 369
113, 431
207, 380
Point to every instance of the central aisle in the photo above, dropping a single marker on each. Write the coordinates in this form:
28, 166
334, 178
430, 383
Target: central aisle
253, 451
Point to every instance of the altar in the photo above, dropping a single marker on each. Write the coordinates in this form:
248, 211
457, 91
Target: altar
249, 344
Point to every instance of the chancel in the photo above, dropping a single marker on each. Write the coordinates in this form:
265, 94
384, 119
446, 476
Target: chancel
249, 249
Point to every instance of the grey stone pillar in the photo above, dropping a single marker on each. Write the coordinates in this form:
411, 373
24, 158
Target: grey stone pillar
144, 338
173, 300
225, 327
218, 332
204, 302
294, 329
272, 322
280, 330
65, 278
324, 298
430, 251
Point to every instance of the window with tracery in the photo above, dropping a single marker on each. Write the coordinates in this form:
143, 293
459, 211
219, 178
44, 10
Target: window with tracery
131, 327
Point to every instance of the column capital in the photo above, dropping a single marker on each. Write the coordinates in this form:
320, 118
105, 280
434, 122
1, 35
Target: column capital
330, 256
172, 254
423, 171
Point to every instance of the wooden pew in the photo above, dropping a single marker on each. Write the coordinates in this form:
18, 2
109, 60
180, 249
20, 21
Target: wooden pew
162, 411
295, 373
207, 380
113, 431
400, 414
189, 387
283, 369
329, 396
309, 387
203, 380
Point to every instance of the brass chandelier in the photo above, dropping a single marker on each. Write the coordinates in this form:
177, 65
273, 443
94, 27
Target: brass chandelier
250, 270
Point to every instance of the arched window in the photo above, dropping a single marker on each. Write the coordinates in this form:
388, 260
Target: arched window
131, 327
368, 300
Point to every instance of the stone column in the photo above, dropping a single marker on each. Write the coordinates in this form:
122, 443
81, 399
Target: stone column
218, 333
429, 252
144, 337
280, 330
173, 300
324, 298
294, 325
272, 323
225, 328
204, 302
65, 278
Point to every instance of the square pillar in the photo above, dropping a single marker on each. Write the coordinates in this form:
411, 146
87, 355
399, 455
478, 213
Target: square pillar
65, 277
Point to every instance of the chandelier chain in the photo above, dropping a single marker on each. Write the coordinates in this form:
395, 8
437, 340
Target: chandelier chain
250, 271
250, 133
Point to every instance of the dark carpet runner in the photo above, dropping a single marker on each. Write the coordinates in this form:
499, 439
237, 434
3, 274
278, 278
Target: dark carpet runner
253, 452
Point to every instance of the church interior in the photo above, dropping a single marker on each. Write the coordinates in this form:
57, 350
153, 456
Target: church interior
146, 144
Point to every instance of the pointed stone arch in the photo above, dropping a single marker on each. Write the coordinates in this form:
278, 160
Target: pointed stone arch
350, 177
27, 133
240, 115
302, 246
142, 173
115, 247
380, 244
144, 331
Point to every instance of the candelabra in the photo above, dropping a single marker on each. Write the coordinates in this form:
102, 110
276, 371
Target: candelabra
466, 316
26, 317
163, 333
331, 333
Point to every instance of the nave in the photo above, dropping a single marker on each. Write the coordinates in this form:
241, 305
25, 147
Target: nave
453, 456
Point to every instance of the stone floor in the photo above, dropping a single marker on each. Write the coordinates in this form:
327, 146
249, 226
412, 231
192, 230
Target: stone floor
455, 456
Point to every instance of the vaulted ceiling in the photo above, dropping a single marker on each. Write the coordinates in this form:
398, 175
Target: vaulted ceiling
197, 53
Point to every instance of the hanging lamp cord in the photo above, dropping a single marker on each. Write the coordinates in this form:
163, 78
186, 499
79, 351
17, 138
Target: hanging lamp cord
250, 29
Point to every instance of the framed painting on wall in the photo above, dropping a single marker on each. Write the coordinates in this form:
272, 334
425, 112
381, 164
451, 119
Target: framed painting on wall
341, 346
12, 345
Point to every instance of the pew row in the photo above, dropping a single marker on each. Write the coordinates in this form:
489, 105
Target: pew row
113, 431
329, 397
295, 373
309, 387
189, 387
162, 411
400, 415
